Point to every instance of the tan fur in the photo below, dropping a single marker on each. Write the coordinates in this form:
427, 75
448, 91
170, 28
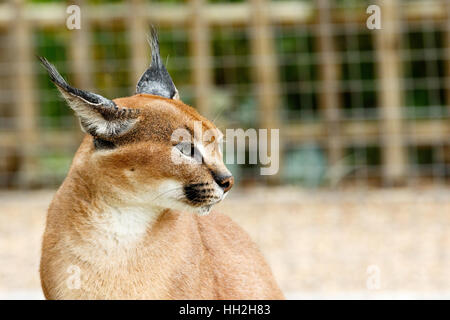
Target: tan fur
111, 220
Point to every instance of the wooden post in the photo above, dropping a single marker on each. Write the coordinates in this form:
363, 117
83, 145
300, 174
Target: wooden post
390, 97
201, 57
447, 52
139, 30
80, 59
445, 156
24, 95
329, 95
266, 74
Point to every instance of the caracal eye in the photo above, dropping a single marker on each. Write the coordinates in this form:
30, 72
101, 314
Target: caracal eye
189, 150
186, 148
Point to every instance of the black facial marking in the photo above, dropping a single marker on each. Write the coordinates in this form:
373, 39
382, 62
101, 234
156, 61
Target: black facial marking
199, 184
101, 144
197, 194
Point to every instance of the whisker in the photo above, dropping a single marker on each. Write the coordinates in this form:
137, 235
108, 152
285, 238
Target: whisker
219, 113
167, 191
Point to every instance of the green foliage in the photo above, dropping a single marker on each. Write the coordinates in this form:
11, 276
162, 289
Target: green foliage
111, 67
43, 1
54, 166
295, 50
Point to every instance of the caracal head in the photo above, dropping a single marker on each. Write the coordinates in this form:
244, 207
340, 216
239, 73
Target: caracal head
150, 148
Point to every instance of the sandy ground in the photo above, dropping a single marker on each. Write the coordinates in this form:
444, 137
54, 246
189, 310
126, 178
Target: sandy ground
321, 244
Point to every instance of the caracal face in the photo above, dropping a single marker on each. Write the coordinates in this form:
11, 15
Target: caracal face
171, 158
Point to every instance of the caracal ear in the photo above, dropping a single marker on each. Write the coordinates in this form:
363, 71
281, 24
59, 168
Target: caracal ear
99, 116
156, 79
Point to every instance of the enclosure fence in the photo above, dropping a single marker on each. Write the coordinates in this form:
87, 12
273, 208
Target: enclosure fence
351, 103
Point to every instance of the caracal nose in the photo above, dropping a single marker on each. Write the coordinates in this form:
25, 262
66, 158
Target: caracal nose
225, 182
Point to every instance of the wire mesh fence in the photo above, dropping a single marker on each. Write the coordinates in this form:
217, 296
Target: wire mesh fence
353, 105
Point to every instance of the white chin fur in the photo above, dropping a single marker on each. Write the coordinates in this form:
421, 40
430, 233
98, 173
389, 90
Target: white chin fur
201, 211
204, 211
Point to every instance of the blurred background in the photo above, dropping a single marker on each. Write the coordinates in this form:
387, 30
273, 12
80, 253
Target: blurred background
360, 206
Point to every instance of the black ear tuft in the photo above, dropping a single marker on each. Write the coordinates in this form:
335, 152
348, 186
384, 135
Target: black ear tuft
59, 81
156, 79
99, 116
